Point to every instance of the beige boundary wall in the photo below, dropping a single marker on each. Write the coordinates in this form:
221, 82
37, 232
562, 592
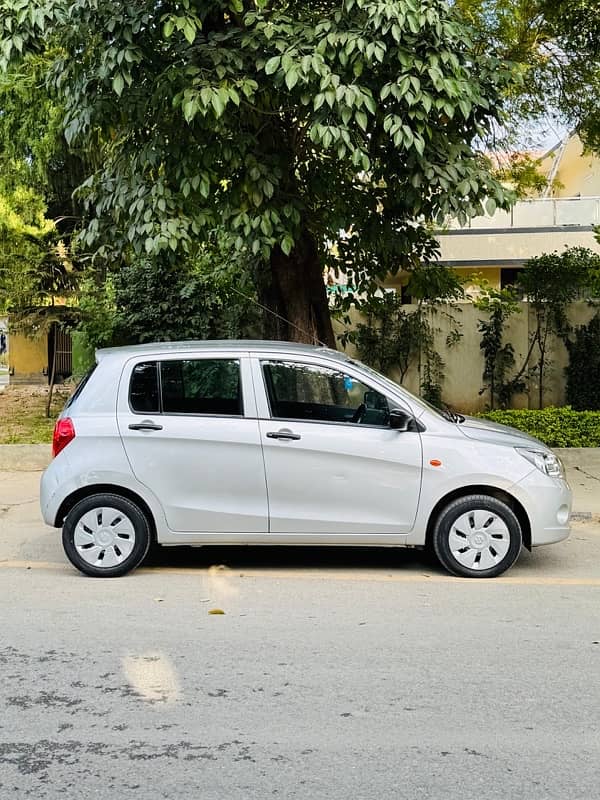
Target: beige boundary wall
28, 359
464, 360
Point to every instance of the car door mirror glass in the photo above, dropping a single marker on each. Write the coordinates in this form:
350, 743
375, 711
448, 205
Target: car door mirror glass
400, 420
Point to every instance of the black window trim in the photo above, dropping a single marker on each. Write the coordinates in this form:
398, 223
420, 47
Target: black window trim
355, 427
161, 411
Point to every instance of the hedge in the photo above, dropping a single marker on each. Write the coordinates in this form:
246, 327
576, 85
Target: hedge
556, 427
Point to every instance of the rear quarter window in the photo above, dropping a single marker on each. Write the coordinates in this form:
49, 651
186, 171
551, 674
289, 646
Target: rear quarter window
143, 388
80, 387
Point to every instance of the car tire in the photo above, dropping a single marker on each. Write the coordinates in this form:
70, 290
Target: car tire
477, 536
106, 535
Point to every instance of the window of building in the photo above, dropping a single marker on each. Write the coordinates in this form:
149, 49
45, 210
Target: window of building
509, 276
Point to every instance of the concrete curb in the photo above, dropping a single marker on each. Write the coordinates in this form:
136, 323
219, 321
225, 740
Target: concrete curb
584, 516
24, 457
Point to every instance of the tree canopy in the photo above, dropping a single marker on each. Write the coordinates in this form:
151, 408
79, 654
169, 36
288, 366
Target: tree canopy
282, 123
555, 46
35, 268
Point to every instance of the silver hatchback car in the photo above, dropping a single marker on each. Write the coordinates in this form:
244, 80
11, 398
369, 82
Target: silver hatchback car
247, 442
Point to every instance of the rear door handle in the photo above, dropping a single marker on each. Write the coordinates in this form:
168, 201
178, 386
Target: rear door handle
146, 425
284, 433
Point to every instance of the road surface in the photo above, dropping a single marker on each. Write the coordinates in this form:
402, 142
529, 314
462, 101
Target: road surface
331, 674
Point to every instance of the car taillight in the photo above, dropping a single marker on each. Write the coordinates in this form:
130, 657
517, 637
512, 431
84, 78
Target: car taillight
64, 432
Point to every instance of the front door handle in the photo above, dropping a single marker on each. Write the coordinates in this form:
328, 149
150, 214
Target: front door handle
284, 433
146, 425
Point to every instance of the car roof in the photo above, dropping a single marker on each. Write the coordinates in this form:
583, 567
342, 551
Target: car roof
217, 345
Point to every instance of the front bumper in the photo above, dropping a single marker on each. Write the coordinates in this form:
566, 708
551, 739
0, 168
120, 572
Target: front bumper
548, 502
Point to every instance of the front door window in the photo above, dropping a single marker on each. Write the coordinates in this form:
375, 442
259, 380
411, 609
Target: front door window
314, 393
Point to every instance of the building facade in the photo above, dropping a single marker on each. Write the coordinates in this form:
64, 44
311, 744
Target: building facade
496, 246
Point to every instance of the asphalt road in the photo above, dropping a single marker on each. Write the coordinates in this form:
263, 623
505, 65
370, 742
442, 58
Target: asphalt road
331, 674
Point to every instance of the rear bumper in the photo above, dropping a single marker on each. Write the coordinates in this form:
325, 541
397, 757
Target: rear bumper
49, 502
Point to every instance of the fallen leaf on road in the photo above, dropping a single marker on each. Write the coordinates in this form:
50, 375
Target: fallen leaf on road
215, 611
217, 568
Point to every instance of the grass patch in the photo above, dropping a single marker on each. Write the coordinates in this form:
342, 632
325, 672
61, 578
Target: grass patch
23, 413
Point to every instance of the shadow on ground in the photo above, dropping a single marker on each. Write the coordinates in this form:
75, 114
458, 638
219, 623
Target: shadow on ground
293, 558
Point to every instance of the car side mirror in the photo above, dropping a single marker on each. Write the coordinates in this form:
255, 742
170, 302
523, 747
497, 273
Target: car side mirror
400, 420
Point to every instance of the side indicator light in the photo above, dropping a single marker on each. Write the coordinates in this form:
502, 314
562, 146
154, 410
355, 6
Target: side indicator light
435, 462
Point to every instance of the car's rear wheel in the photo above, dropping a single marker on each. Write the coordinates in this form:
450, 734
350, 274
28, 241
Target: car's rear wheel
477, 536
106, 535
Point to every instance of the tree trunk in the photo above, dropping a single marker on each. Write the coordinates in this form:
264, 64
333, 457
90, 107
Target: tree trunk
297, 296
52, 372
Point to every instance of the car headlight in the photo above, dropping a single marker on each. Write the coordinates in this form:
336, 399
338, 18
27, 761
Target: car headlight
546, 462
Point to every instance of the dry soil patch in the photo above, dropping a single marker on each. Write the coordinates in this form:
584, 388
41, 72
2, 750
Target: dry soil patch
23, 413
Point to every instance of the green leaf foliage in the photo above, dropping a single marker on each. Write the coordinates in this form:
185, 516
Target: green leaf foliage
553, 280
35, 267
550, 282
583, 372
396, 336
498, 305
207, 297
554, 46
522, 173
556, 427
283, 123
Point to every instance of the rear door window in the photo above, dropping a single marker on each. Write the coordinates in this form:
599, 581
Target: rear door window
189, 386
201, 386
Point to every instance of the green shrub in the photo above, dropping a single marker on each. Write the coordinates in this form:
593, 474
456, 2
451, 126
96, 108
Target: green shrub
556, 427
583, 372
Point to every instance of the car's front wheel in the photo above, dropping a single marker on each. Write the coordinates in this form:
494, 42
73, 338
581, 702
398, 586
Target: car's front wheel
477, 536
106, 535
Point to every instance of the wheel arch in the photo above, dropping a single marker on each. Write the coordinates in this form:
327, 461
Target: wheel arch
492, 491
100, 488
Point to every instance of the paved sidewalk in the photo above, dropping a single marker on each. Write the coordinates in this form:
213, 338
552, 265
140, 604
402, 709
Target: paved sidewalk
582, 465
583, 473
24, 457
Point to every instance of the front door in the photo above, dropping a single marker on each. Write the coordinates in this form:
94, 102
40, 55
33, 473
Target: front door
333, 464
191, 435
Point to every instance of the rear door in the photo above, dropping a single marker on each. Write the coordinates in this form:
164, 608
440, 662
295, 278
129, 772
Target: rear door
191, 435
334, 466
